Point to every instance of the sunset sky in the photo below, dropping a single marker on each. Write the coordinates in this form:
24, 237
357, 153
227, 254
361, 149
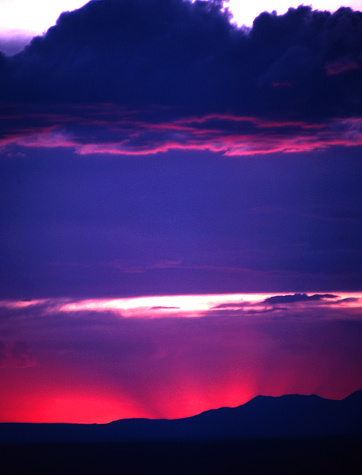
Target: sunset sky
180, 207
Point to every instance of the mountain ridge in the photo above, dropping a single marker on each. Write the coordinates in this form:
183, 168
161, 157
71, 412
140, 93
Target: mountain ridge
263, 417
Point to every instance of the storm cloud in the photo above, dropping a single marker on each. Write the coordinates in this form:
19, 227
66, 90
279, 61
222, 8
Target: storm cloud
181, 75
304, 64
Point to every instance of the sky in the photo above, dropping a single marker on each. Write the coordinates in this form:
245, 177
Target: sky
180, 208
21, 20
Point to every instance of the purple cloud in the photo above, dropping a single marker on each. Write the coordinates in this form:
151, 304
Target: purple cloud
298, 298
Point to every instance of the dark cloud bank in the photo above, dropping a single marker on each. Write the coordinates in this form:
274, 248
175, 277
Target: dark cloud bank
304, 64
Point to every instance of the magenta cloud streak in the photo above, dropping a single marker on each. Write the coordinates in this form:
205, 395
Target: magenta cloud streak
101, 129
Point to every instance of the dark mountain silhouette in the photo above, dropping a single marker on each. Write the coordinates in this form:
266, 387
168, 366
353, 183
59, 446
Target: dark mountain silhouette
261, 418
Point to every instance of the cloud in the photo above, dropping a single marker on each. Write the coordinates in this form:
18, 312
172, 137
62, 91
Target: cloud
272, 304
341, 66
180, 75
102, 129
299, 298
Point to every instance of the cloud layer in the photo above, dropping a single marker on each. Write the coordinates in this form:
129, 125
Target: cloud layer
112, 129
183, 76
301, 64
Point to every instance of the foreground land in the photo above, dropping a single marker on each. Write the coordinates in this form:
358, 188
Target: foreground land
337, 455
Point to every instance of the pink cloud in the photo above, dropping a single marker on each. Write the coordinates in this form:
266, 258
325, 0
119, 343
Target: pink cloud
341, 66
106, 129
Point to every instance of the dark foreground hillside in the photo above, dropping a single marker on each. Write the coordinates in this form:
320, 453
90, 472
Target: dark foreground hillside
283, 417
288, 435
338, 455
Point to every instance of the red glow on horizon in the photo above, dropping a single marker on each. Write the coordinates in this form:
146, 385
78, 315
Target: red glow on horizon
85, 409
183, 401
95, 361
71, 409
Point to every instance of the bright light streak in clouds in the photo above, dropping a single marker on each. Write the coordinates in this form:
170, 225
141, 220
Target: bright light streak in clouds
185, 305
200, 305
191, 306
